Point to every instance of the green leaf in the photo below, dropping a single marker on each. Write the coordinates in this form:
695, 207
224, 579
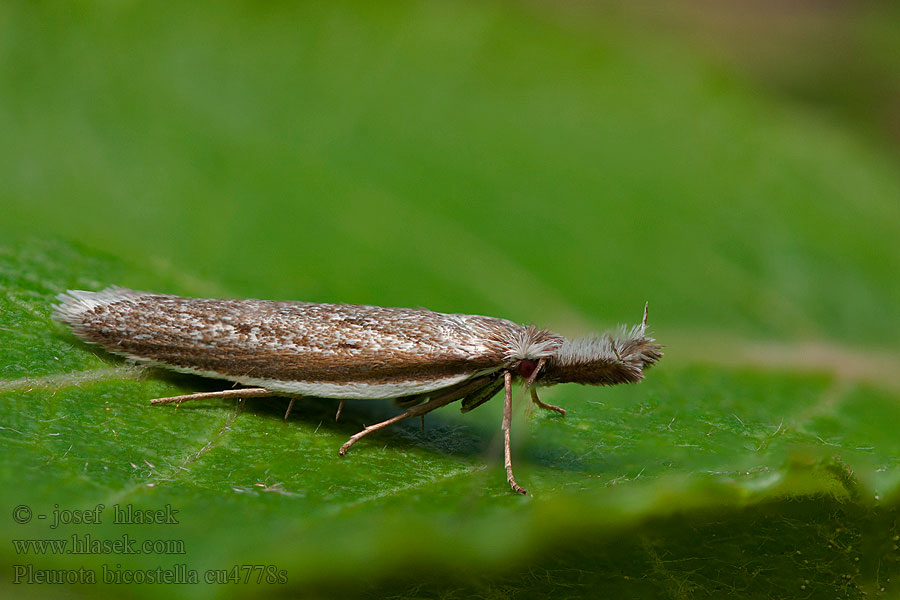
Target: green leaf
717, 456
285, 152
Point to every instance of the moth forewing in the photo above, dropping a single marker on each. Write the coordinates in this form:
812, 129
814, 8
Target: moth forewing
325, 350
423, 358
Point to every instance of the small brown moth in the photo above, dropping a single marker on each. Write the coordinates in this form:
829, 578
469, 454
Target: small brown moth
421, 359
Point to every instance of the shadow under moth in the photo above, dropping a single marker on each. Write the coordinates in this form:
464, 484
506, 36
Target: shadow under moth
421, 359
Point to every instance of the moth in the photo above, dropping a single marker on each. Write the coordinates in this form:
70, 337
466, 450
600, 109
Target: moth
422, 359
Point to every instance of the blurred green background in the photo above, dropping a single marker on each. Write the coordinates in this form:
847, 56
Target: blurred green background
735, 166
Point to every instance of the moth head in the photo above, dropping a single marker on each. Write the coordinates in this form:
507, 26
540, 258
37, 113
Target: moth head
607, 359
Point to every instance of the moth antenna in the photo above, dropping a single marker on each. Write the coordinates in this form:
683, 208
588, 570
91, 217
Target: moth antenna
644, 320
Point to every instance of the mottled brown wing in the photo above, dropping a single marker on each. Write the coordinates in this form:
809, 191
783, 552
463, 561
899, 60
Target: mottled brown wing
350, 347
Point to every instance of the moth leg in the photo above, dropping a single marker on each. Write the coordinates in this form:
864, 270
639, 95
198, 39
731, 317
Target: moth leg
289, 408
337, 415
507, 418
534, 374
417, 410
544, 405
239, 393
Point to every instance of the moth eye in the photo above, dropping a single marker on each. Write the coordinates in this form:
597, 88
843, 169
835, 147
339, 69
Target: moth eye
526, 368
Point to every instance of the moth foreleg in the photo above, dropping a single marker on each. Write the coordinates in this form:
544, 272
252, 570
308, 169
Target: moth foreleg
507, 419
544, 405
238, 393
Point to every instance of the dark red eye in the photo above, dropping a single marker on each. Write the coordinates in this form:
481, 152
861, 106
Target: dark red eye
526, 368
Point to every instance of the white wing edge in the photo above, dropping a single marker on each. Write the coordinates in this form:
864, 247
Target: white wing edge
74, 303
